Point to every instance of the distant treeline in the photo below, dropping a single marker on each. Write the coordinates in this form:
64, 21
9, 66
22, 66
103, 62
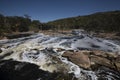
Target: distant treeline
10, 24
102, 22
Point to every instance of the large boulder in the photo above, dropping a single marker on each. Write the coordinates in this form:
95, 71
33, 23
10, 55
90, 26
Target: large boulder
78, 58
94, 59
14, 70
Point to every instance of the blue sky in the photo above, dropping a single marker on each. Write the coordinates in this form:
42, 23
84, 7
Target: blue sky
49, 10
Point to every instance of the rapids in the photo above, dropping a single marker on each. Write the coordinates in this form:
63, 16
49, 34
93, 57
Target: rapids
43, 50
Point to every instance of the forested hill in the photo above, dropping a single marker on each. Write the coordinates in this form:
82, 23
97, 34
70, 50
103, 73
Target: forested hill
9, 24
101, 21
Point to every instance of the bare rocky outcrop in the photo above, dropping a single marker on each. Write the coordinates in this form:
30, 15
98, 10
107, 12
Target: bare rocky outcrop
94, 59
78, 58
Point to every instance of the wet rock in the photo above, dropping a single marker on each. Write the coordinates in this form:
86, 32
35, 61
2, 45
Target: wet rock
0, 50
94, 59
95, 46
78, 58
60, 49
14, 70
102, 65
98, 53
117, 63
107, 59
118, 58
101, 61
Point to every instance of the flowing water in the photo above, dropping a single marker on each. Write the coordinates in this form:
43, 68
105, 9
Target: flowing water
42, 50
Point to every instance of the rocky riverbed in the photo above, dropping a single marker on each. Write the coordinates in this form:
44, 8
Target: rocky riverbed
76, 55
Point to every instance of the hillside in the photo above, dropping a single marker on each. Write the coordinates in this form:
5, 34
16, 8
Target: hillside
15, 24
101, 21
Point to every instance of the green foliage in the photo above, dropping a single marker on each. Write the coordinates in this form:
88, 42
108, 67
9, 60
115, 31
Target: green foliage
9, 24
35, 25
104, 21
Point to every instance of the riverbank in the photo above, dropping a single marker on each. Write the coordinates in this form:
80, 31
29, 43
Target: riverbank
105, 35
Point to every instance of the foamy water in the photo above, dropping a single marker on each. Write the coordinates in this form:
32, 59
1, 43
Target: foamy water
42, 49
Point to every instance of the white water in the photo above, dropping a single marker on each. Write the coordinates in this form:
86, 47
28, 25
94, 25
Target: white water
41, 49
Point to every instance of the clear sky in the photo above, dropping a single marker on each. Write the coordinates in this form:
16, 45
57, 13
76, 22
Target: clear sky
48, 10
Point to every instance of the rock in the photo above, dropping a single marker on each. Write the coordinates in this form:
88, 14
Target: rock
98, 53
118, 58
94, 59
117, 63
19, 35
78, 58
14, 70
60, 49
101, 61
0, 50
108, 59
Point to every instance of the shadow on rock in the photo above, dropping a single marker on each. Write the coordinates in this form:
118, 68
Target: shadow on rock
14, 70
